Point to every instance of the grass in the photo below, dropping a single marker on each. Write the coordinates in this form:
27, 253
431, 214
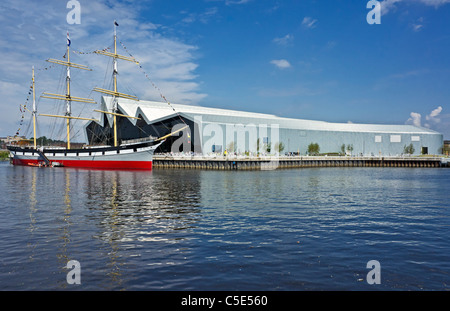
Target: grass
4, 155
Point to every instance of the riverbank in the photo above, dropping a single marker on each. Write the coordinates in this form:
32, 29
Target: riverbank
283, 162
4, 155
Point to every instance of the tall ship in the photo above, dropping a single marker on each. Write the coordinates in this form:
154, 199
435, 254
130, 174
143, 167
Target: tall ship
131, 154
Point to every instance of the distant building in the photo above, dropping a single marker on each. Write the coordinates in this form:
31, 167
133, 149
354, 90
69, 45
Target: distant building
446, 147
15, 140
216, 130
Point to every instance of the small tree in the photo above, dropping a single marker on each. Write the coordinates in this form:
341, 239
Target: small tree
343, 149
231, 147
409, 149
279, 147
350, 148
446, 149
313, 148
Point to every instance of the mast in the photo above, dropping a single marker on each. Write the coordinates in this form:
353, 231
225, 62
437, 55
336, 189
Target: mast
67, 97
115, 93
68, 103
34, 111
115, 83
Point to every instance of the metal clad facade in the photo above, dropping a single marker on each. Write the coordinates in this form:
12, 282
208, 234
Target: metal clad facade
220, 127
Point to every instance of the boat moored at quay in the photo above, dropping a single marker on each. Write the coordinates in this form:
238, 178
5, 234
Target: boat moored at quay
125, 154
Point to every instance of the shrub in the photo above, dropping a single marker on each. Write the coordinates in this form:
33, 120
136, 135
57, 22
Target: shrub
313, 149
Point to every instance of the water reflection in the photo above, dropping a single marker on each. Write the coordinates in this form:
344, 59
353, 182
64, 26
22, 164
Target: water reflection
205, 230
107, 220
132, 210
32, 213
64, 227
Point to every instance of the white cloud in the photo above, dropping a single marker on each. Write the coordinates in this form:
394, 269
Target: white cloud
34, 31
230, 2
434, 115
417, 27
415, 119
287, 39
435, 3
204, 17
309, 22
433, 118
435, 112
391, 5
388, 5
281, 63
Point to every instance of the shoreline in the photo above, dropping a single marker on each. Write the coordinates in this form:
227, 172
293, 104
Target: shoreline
285, 162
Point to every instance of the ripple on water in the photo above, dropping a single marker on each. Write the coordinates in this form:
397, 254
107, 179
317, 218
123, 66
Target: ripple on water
306, 229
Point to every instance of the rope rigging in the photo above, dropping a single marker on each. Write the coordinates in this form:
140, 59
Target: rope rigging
23, 107
153, 84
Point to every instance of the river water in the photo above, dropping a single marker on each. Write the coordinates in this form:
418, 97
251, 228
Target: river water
281, 230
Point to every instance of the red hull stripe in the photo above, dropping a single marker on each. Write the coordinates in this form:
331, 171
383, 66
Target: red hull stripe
127, 165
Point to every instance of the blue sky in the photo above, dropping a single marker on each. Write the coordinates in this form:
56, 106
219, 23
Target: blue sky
307, 59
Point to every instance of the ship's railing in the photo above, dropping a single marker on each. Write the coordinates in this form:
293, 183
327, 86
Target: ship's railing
137, 140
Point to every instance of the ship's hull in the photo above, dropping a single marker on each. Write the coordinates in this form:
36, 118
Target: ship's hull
129, 157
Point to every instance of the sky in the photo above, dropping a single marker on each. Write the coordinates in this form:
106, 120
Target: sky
306, 59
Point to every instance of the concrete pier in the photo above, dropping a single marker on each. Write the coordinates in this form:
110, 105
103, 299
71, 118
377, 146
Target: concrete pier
283, 162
